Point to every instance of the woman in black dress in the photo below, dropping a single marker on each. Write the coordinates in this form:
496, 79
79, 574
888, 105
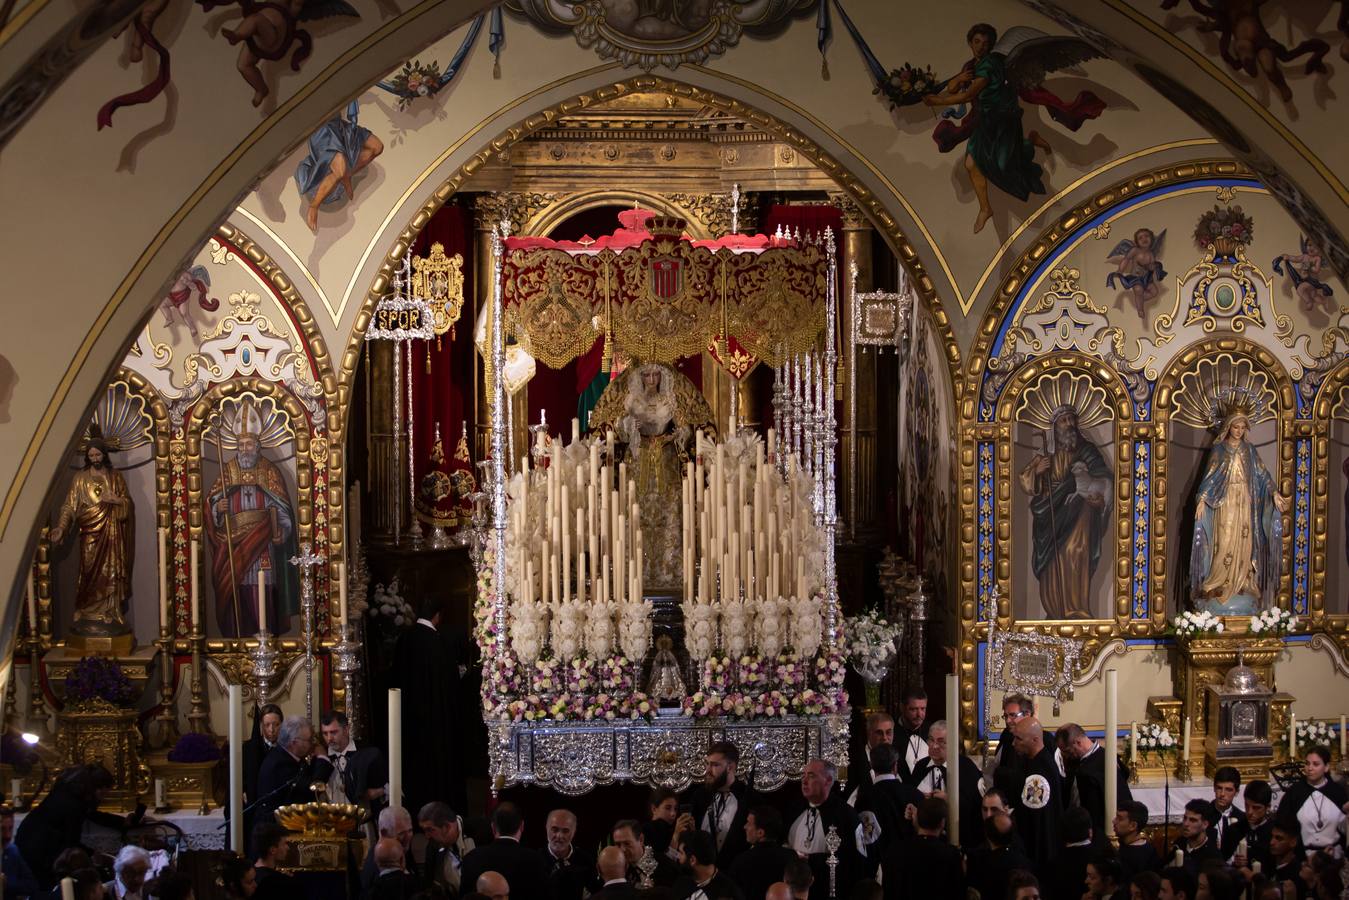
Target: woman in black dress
1318, 803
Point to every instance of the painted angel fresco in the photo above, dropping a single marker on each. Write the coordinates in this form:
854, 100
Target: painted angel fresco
1138, 272
190, 285
1304, 270
337, 150
267, 31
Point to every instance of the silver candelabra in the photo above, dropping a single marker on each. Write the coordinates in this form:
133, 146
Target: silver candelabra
264, 657
306, 562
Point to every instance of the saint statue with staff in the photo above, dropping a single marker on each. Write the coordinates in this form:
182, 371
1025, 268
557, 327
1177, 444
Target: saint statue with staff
1070, 485
1238, 526
250, 524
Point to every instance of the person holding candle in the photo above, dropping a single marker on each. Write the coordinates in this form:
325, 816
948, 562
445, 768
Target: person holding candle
1195, 846
1253, 831
1318, 803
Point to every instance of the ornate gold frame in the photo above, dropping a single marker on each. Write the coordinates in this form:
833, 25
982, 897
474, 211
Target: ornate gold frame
1336, 625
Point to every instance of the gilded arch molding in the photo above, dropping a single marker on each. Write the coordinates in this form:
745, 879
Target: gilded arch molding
548, 218
851, 186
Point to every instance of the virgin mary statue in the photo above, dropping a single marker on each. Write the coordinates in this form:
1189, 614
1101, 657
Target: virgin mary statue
654, 411
1238, 530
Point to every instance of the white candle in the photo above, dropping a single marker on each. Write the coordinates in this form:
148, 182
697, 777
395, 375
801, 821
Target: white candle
1133, 743
1255, 867
342, 593
262, 601
575, 430
1111, 751
164, 579
161, 796
196, 584
16, 792
32, 602
1241, 848
1180, 858
395, 747
1292, 735
67, 888
236, 718
1185, 741
953, 759
772, 443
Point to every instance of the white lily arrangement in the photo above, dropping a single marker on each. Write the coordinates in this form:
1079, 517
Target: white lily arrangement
528, 629
872, 643
737, 620
634, 629
599, 631
1273, 621
569, 621
389, 604
1154, 738
807, 627
1190, 624
1313, 732
772, 626
700, 630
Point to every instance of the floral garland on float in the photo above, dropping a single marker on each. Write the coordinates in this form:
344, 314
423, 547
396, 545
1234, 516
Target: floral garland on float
578, 628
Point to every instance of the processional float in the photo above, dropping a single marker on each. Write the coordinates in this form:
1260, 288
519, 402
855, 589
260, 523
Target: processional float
576, 692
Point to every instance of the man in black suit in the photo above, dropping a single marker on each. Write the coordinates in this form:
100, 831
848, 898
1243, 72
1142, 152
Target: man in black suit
1084, 760
428, 675
519, 865
1227, 829
825, 808
1136, 853
880, 730
270, 849
766, 859
393, 822
393, 881
927, 867
1255, 826
1067, 877
570, 870
911, 732
930, 779
266, 728
359, 773
446, 847
290, 768
627, 836
702, 879
721, 803
888, 798
991, 865
613, 866
1196, 843
1009, 769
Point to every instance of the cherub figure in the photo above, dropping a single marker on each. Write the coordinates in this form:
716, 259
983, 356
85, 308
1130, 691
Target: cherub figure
267, 31
1304, 270
1246, 45
337, 151
1138, 268
190, 283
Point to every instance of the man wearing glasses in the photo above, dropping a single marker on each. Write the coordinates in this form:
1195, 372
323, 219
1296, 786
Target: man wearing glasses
1009, 769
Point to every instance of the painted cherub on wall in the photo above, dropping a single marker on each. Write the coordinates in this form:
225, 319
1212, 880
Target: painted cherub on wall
1304, 270
337, 151
267, 31
1246, 45
1138, 271
177, 302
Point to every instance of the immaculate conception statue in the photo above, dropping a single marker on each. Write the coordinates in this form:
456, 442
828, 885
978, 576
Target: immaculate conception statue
1238, 530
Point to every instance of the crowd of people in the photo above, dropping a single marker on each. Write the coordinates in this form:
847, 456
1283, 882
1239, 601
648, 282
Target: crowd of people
1031, 826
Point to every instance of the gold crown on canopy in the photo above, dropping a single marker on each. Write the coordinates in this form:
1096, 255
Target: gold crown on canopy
666, 226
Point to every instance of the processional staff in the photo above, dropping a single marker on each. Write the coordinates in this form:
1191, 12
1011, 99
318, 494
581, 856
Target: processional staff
305, 562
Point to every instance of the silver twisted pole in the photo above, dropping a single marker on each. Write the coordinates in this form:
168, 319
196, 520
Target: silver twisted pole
830, 439
499, 435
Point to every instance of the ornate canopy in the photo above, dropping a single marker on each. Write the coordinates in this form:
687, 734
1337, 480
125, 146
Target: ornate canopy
659, 296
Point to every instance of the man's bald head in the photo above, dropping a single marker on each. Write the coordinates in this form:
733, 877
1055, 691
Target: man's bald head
612, 864
1028, 736
493, 884
779, 891
388, 853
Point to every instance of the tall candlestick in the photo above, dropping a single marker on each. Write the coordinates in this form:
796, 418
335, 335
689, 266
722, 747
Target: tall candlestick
1342, 738
163, 581
262, 601
236, 719
1185, 741
32, 603
342, 592
196, 585
1292, 735
953, 759
395, 747
1133, 743
1111, 751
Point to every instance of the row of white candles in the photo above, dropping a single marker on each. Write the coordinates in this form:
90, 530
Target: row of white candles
1292, 738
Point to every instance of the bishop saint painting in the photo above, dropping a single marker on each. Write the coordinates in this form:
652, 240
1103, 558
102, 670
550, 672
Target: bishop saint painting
1238, 529
1069, 485
250, 524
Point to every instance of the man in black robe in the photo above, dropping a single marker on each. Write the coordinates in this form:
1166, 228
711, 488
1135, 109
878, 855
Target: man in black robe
1255, 826
571, 870
925, 867
1136, 852
1009, 771
1070, 488
428, 677
1039, 806
721, 803
930, 779
1085, 784
911, 729
1196, 843
764, 863
266, 728
991, 865
627, 836
1228, 827
880, 730
825, 808
290, 768
888, 798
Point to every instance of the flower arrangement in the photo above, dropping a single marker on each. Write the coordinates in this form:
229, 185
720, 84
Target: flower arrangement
194, 748
716, 674
528, 627
1192, 624
415, 79
568, 629
545, 679
789, 673
1273, 621
771, 703
830, 673
634, 629
807, 628
772, 626
1313, 733
615, 675
736, 616
907, 85
96, 678
581, 676
751, 673
484, 618
1224, 227
390, 605
599, 629
700, 629
872, 643
1154, 738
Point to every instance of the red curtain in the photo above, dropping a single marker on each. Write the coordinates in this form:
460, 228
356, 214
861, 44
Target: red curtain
444, 395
